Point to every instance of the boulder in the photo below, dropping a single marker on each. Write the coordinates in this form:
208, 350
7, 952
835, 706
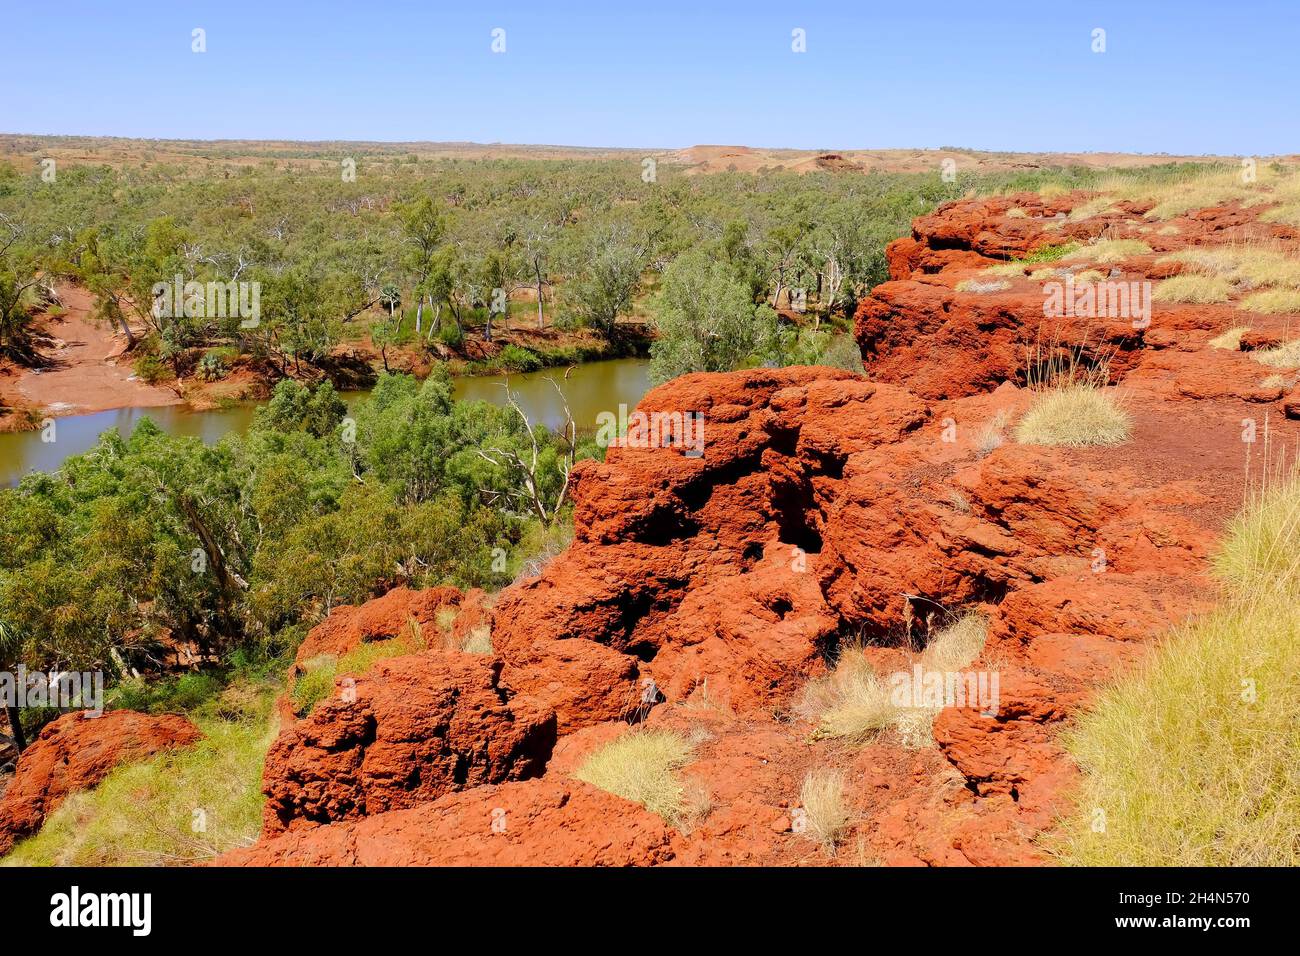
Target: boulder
75, 752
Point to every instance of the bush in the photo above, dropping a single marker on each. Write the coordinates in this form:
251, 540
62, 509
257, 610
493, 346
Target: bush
450, 335
211, 367
149, 368
517, 359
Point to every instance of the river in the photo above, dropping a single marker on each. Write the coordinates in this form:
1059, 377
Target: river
590, 389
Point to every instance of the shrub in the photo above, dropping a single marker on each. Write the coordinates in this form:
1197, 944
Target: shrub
642, 766
450, 335
211, 367
1074, 414
151, 369
1051, 253
517, 359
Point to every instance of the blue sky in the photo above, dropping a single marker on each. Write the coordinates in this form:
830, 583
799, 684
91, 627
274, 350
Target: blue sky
1189, 76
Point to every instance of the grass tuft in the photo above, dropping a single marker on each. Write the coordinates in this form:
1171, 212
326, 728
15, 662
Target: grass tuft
1193, 288
1286, 355
1273, 301
826, 810
643, 766
982, 287
1230, 339
1109, 251
1075, 414
853, 702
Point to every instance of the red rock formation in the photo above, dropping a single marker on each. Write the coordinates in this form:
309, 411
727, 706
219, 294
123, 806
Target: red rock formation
348, 627
700, 594
75, 752
533, 823
410, 730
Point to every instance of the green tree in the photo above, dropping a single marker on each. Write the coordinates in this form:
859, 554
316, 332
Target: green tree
707, 321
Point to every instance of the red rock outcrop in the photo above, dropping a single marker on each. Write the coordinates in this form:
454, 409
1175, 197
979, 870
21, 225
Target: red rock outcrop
348, 626
408, 731
686, 570
700, 594
532, 823
75, 752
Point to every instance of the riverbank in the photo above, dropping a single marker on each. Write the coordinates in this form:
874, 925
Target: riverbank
589, 389
87, 369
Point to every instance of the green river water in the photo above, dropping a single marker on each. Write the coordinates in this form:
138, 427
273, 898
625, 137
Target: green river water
590, 389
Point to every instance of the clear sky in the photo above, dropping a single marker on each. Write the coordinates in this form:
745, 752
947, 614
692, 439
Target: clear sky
1178, 76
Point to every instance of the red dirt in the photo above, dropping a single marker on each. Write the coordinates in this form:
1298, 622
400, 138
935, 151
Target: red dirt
88, 370
75, 752
701, 594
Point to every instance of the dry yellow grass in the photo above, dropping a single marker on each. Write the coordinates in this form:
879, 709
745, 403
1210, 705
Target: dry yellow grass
1198, 189
1251, 265
1193, 288
1194, 759
854, 702
1231, 339
643, 766
1273, 301
825, 808
1093, 207
1075, 414
478, 640
1286, 355
981, 287
1109, 251
1012, 270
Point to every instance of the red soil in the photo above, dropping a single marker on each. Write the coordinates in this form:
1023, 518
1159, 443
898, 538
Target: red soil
700, 594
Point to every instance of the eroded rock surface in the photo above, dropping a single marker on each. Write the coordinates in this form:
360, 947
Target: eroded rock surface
533, 823
410, 730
